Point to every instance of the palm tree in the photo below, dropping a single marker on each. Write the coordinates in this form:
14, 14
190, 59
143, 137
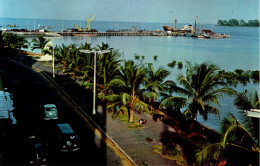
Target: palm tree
62, 56
157, 78
246, 101
2, 42
73, 61
128, 90
40, 43
201, 88
14, 41
108, 66
236, 147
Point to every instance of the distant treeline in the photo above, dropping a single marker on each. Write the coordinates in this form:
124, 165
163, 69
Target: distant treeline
235, 22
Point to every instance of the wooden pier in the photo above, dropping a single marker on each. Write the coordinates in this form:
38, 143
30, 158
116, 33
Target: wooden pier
105, 33
97, 34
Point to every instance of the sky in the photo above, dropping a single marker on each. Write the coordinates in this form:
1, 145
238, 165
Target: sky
164, 11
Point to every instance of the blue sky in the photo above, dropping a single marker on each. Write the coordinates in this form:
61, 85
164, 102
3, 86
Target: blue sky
208, 11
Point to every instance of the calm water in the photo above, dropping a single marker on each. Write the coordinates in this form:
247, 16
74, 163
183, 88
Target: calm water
240, 51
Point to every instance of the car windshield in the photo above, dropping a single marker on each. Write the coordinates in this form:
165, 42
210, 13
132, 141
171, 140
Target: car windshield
50, 109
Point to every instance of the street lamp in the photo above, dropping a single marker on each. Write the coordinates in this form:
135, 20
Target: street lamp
51, 46
95, 58
53, 60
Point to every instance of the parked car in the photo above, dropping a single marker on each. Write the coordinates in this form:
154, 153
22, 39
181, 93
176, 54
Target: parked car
50, 112
67, 139
38, 151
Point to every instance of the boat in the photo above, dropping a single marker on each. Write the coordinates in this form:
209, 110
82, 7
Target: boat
12, 25
255, 113
187, 28
158, 33
203, 36
167, 28
45, 27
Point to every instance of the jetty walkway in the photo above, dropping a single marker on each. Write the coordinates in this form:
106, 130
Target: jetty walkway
116, 33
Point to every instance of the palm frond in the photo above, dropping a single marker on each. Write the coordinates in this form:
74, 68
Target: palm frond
173, 101
212, 151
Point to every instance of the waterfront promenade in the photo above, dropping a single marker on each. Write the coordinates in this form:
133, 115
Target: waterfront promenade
133, 142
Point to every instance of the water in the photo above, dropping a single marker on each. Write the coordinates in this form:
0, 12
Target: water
240, 51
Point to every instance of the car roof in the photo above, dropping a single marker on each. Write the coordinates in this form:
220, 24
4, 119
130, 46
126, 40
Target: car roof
49, 105
65, 128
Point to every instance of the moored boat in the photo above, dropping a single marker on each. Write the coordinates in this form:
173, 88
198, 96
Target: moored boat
12, 25
167, 28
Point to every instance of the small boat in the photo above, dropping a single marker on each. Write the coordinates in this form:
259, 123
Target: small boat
158, 33
45, 27
12, 25
253, 113
203, 36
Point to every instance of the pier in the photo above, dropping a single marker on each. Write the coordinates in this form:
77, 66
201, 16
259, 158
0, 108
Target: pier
97, 34
105, 33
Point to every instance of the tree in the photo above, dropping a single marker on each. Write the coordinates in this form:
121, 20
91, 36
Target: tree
242, 23
108, 68
246, 101
201, 88
225, 23
12, 40
2, 42
40, 43
236, 147
62, 56
254, 23
156, 79
220, 22
129, 90
233, 22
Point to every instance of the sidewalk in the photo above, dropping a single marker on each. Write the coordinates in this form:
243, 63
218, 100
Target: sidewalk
132, 141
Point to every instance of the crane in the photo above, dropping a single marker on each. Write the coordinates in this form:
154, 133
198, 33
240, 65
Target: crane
79, 29
88, 22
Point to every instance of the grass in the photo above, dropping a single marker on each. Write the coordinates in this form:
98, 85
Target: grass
132, 125
175, 155
47, 64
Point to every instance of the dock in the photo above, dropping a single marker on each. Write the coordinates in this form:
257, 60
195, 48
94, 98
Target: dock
105, 33
97, 34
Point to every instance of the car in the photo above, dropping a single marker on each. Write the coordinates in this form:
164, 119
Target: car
38, 151
50, 112
67, 139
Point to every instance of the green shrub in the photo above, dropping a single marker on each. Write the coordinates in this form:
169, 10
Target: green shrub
172, 64
180, 65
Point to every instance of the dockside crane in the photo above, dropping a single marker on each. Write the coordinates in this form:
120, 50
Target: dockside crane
79, 29
88, 22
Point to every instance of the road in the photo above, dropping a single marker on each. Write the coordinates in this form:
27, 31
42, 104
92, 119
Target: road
30, 89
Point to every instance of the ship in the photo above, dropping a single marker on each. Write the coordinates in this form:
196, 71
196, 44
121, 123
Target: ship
167, 28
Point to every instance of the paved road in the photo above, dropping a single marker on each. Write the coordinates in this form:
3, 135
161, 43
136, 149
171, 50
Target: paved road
29, 90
